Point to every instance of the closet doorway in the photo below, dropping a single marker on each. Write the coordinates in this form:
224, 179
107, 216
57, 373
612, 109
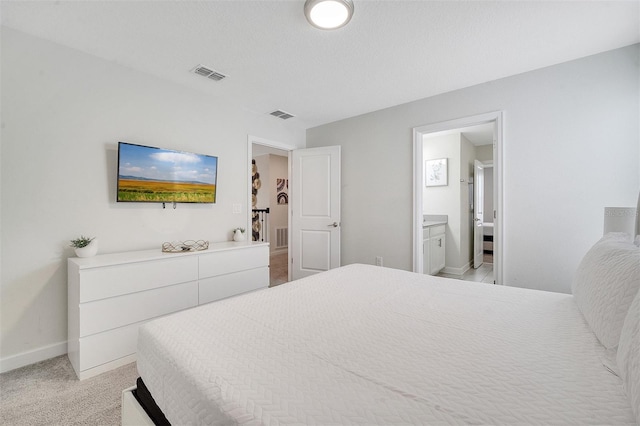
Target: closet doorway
462, 216
269, 203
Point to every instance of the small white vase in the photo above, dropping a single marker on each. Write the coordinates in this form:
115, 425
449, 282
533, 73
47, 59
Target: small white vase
238, 235
89, 250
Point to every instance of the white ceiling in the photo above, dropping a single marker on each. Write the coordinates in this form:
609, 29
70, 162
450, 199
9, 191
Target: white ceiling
390, 53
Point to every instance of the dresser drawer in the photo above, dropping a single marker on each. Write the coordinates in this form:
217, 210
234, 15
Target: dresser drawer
100, 283
226, 262
114, 312
216, 288
109, 346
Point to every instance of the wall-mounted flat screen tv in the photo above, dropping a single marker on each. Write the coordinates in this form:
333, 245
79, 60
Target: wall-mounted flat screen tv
155, 175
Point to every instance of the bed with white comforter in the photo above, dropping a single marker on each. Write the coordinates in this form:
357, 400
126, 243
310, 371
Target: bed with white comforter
369, 345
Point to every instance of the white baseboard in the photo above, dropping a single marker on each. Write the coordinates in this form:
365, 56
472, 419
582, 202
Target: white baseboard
31, 357
457, 271
103, 368
279, 251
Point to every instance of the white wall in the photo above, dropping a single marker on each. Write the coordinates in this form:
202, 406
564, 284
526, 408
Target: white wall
63, 113
484, 152
571, 147
445, 200
453, 199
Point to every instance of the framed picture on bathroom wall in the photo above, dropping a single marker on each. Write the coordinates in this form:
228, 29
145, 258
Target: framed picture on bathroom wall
435, 172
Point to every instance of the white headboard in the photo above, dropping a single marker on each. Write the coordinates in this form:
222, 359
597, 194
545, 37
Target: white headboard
638, 215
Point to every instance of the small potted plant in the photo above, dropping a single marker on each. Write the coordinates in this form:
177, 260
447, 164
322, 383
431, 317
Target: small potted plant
85, 246
238, 234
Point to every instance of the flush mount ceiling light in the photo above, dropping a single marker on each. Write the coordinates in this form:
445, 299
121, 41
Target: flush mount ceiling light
328, 14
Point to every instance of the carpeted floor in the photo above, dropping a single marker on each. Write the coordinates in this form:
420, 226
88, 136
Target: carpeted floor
48, 393
278, 270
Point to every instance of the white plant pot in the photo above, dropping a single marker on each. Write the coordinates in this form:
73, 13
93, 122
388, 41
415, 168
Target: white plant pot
238, 236
89, 250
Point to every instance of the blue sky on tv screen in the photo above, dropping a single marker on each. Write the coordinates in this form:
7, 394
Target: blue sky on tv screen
161, 164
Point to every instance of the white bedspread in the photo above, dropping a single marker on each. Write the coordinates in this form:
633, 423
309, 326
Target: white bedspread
370, 345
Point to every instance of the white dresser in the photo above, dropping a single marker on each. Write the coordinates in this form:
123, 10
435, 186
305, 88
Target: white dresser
111, 295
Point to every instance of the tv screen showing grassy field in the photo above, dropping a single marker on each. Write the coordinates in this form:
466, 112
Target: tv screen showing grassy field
147, 174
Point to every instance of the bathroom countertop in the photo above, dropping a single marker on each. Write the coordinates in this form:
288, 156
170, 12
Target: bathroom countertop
428, 223
434, 219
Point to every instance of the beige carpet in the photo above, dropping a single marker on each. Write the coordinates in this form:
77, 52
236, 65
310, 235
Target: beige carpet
278, 269
48, 393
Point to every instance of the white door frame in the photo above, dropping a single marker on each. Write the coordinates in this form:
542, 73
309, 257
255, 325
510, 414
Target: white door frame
273, 144
478, 213
495, 117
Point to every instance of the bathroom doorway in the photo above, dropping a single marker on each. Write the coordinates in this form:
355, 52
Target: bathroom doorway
469, 139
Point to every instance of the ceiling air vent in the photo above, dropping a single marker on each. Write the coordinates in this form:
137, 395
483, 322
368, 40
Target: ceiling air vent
281, 114
208, 72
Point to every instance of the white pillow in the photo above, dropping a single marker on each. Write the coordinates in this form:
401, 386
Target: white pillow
605, 284
628, 358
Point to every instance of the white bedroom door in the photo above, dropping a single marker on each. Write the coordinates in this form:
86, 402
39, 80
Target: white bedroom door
315, 210
478, 216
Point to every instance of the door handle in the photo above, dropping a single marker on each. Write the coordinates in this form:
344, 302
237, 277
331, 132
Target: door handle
334, 224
